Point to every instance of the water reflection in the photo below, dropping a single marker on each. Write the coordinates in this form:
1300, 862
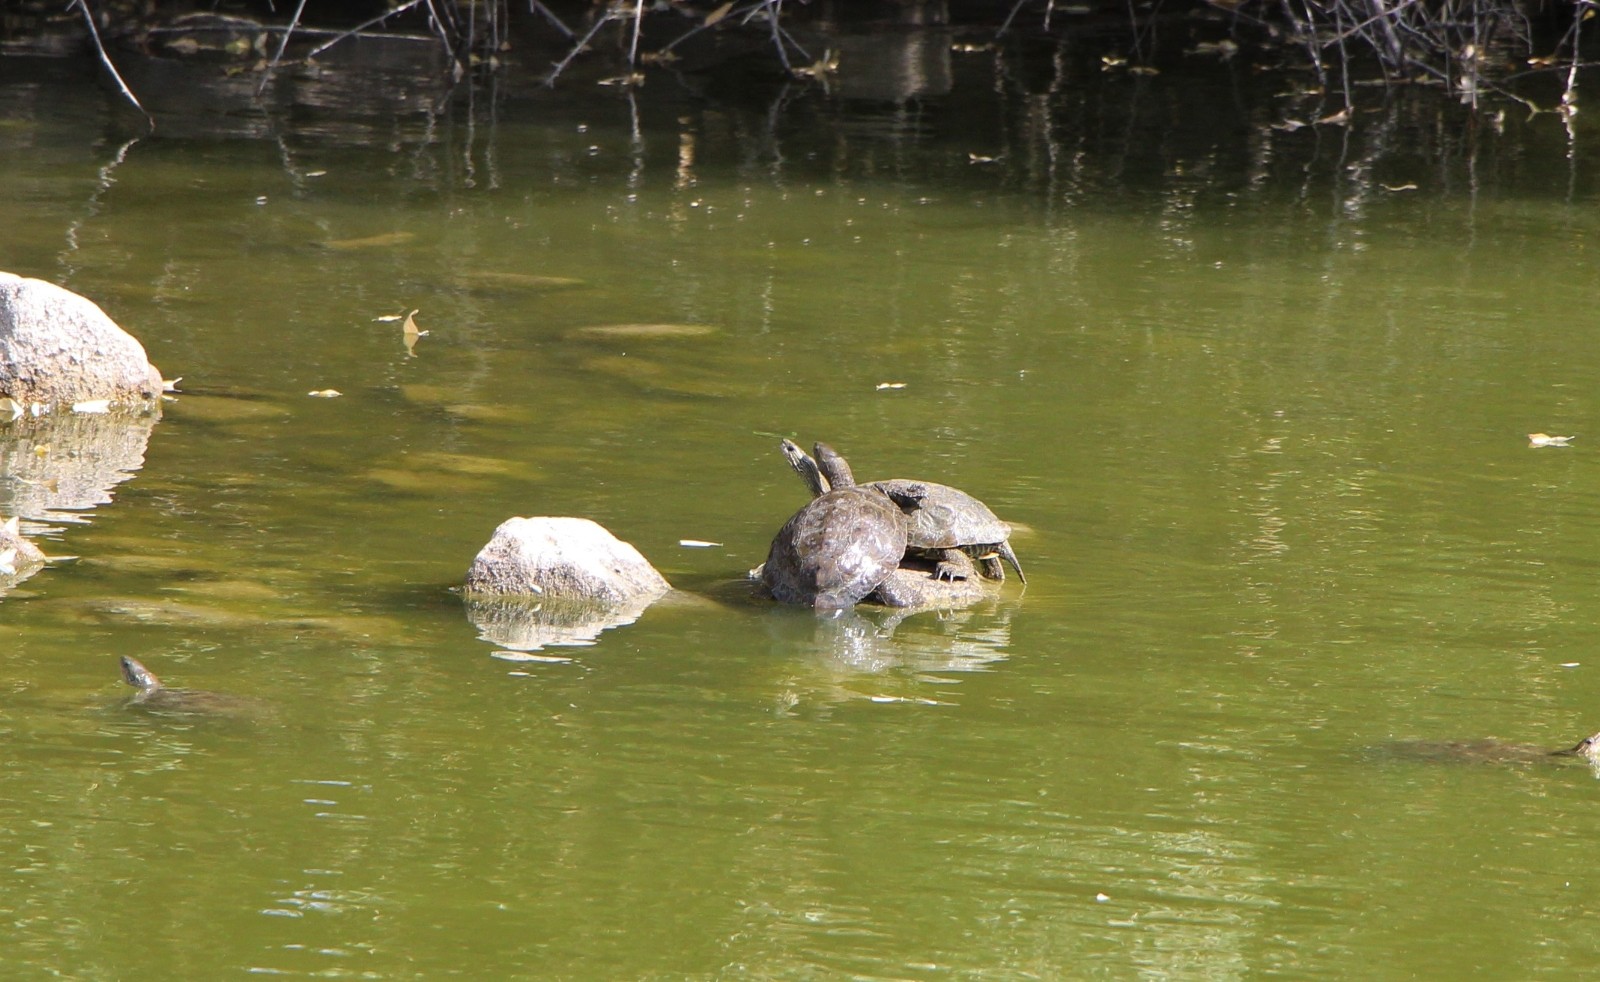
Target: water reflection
56, 467
886, 655
529, 624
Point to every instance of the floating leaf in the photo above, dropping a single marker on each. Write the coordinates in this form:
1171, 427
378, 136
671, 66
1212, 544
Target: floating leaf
325, 393
373, 241
719, 13
1546, 440
1398, 187
389, 318
890, 385
697, 544
92, 406
978, 158
170, 384
1336, 119
409, 333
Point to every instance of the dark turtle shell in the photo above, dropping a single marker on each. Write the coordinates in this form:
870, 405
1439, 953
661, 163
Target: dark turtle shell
942, 519
837, 549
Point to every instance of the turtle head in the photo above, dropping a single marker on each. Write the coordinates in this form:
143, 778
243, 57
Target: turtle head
1589, 747
833, 466
806, 468
137, 675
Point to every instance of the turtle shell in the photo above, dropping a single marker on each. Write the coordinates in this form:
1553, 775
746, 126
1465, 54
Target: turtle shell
946, 518
836, 550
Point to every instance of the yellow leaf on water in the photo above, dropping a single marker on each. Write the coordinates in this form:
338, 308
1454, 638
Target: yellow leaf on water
719, 13
1546, 440
697, 544
325, 393
409, 333
890, 385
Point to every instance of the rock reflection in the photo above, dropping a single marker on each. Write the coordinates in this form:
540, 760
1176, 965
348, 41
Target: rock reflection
54, 467
530, 623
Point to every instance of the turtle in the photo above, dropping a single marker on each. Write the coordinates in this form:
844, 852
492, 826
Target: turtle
836, 550
1490, 751
945, 522
154, 696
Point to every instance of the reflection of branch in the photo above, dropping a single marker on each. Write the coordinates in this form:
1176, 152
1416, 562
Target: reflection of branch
561, 66
105, 59
319, 49
107, 177
555, 21
266, 76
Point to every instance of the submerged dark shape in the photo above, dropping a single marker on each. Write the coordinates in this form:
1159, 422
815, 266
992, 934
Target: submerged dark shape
945, 522
1490, 751
154, 696
836, 550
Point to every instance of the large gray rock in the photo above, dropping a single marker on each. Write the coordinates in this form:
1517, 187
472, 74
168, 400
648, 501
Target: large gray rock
57, 348
566, 559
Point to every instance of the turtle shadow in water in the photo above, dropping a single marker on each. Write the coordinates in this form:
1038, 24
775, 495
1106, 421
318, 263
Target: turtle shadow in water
1496, 752
157, 699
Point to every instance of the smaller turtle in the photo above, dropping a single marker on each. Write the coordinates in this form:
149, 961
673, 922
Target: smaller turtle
834, 552
154, 696
1490, 751
945, 521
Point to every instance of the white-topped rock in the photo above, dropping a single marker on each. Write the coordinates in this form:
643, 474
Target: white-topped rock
58, 348
563, 558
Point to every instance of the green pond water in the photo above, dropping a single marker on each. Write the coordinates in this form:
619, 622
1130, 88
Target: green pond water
1261, 425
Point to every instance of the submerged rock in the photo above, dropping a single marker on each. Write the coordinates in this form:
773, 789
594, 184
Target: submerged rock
572, 559
15, 550
58, 348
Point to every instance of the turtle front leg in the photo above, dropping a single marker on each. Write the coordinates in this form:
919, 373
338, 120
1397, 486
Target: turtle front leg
952, 565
